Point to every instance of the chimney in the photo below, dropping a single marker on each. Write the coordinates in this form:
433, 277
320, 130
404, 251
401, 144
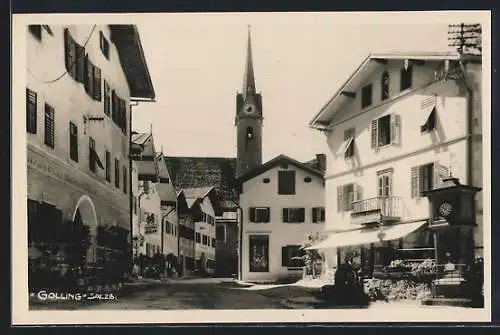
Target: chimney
321, 162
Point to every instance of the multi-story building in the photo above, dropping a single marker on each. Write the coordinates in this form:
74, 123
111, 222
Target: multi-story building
80, 81
205, 201
185, 217
282, 202
148, 199
169, 219
399, 126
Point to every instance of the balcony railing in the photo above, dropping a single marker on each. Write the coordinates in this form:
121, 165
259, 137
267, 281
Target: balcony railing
385, 208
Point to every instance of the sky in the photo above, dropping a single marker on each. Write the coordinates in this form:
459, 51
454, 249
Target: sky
197, 61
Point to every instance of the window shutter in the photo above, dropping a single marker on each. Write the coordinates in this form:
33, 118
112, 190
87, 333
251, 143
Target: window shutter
251, 214
284, 256
340, 198
395, 129
359, 193
70, 53
268, 215
80, 63
415, 192
374, 128
97, 84
322, 215
285, 215
314, 211
440, 172
31, 111
444, 172
106, 97
89, 78
114, 105
302, 215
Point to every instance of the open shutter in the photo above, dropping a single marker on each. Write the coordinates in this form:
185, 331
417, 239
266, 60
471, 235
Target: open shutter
89, 78
374, 128
314, 217
340, 198
268, 215
440, 172
70, 53
415, 192
284, 256
322, 215
251, 214
97, 84
395, 129
285, 214
80, 63
444, 172
114, 105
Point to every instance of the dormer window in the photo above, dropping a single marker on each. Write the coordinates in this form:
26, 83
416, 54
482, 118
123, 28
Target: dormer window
385, 86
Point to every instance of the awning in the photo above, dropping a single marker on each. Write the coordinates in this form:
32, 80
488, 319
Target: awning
368, 235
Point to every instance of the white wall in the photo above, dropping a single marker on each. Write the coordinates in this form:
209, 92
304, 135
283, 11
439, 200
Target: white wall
151, 203
258, 194
170, 240
206, 229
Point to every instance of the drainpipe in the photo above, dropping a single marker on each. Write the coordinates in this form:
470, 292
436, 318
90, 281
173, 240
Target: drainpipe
131, 192
240, 241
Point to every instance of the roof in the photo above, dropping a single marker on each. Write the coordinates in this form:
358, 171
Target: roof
189, 172
129, 46
140, 138
147, 167
275, 162
165, 188
195, 196
368, 65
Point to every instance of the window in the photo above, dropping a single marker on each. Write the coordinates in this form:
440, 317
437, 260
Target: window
430, 123
168, 227
93, 80
31, 111
426, 177
92, 161
74, 58
259, 253
214, 243
259, 214
124, 180
108, 166
286, 182
220, 233
406, 78
290, 256
347, 147
318, 214
249, 133
104, 44
346, 195
73, 141
384, 183
294, 215
107, 98
384, 86
204, 239
366, 96
197, 238
49, 126
36, 31
385, 130
117, 173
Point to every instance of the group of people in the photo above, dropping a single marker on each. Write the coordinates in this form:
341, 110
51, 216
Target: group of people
154, 267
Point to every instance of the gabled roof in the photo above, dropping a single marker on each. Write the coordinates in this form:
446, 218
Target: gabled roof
195, 195
165, 188
219, 172
140, 138
278, 160
129, 46
147, 167
367, 67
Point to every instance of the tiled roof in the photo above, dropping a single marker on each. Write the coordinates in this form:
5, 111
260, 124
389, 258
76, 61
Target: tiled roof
197, 192
219, 172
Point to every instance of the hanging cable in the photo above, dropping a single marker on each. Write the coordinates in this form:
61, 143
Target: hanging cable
72, 64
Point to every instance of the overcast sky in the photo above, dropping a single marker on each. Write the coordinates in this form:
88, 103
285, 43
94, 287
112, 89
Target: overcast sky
197, 62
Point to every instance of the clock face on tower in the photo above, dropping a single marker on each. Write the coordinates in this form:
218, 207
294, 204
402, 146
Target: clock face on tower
445, 209
249, 108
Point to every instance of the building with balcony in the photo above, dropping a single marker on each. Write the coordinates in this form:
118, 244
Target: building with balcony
80, 81
282, 203
396, 128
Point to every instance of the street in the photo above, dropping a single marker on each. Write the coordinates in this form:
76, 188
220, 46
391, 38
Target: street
192, 294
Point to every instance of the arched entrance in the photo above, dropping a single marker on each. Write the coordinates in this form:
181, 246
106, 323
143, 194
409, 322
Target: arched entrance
86, 214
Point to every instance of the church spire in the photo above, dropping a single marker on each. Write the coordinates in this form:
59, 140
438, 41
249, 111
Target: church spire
248, 79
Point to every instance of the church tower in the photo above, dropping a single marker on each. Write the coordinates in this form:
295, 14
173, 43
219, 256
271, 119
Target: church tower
248, 120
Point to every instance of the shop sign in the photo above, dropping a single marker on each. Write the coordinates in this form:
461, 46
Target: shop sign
150, 228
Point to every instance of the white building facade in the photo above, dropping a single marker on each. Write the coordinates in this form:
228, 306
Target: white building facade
282, 203
398, 127
78, 128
